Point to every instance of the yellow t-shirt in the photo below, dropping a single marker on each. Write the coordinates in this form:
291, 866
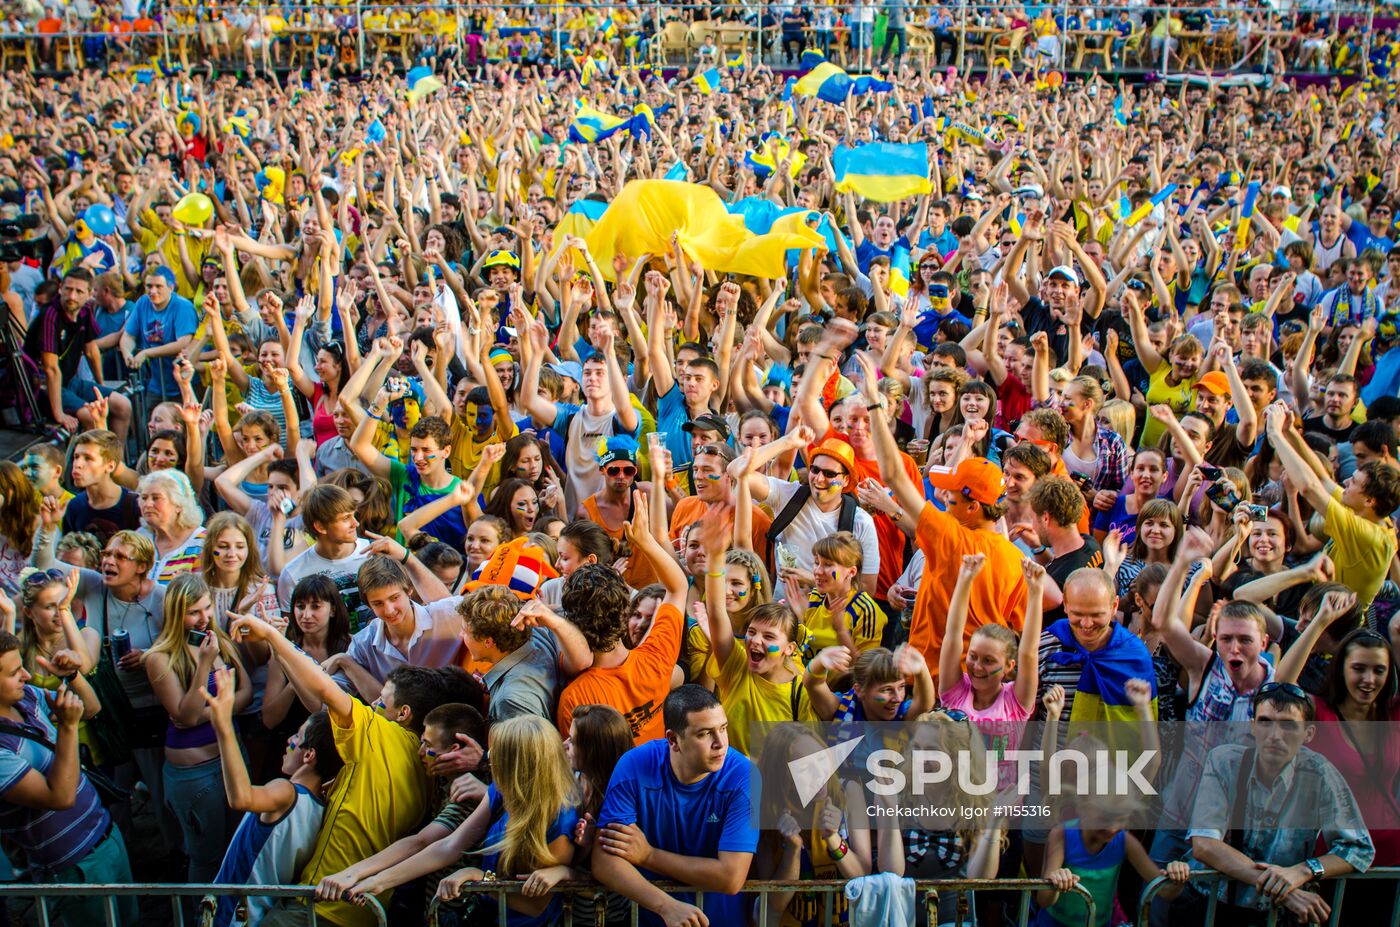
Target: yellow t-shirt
379, 797
1361, 550
750, 699
156, 234
866, 620
1180, 397
466, 450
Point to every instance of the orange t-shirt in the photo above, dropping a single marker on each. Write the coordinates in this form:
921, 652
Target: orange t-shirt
692, 509
639, 570
998, 594
637, 687
887, 533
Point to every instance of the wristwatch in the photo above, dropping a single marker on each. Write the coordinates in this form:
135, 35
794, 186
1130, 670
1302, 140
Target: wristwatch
1315, 867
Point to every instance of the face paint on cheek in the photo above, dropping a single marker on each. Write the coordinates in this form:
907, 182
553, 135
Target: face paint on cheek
883, 698
772, 649
741, 594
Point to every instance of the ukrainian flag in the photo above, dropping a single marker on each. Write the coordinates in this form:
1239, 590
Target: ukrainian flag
737, 62
810, 59
899, 271
422, 82
1101, 695
1251, 193
708, 81
1157, 199
882, 171
1120, 117
825, 82
772, 150
608, 28
591, 125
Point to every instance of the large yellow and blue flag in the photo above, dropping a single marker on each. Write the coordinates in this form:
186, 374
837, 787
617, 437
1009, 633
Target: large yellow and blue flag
1157, 199
882, 171
831, 83
708, 81
826, 81
810, 59
608, 29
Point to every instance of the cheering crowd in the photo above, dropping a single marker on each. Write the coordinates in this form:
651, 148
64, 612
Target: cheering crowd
426, 511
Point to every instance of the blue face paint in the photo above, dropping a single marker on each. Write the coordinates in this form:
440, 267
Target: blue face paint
741, 594
773, 648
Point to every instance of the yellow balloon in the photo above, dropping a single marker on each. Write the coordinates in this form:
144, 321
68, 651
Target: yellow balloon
193, 209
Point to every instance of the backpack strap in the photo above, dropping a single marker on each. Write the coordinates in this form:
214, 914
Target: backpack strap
1235, 836
846, 521
788, 513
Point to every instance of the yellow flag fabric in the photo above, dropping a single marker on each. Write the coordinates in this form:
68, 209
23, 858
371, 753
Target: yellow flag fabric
644, 216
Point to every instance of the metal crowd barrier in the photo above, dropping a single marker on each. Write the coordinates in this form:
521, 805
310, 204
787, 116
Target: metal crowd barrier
208, 896
1338, 886
828, 888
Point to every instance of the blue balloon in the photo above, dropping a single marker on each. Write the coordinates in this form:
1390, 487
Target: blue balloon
100, 219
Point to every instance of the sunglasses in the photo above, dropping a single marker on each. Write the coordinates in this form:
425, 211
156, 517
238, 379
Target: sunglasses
823, 471
44, 577
1287, 688
620, 470
956, 714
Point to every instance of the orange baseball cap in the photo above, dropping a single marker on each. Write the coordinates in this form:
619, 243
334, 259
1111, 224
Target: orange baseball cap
977, 478
1215, 381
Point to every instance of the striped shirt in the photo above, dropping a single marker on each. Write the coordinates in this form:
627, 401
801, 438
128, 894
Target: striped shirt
51, 840
183, 559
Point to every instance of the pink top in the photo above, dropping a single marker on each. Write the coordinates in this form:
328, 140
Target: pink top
1001, 723
322, 421
1370, 777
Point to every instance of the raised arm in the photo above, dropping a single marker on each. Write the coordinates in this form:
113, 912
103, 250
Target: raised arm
304, 673
950, 671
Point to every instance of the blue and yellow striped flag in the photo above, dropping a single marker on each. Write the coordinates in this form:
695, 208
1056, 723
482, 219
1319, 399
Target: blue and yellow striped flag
882, 171
591, 125
1157, 199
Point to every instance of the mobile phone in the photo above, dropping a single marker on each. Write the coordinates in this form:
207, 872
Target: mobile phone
196, 638
287, 505
1210, 472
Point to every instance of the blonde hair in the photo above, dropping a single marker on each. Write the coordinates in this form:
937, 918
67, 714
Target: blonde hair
184, 591
177, 486
143, 550
252, 571
960, 737
1121, 417
532, 773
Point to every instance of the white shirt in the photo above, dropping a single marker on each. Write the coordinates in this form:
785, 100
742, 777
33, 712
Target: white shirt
812, 524
343, 572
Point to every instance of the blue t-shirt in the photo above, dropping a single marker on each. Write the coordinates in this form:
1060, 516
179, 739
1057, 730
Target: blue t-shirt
563, 824
703, 819
867, 251
671, 416
410, 495
152, 327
